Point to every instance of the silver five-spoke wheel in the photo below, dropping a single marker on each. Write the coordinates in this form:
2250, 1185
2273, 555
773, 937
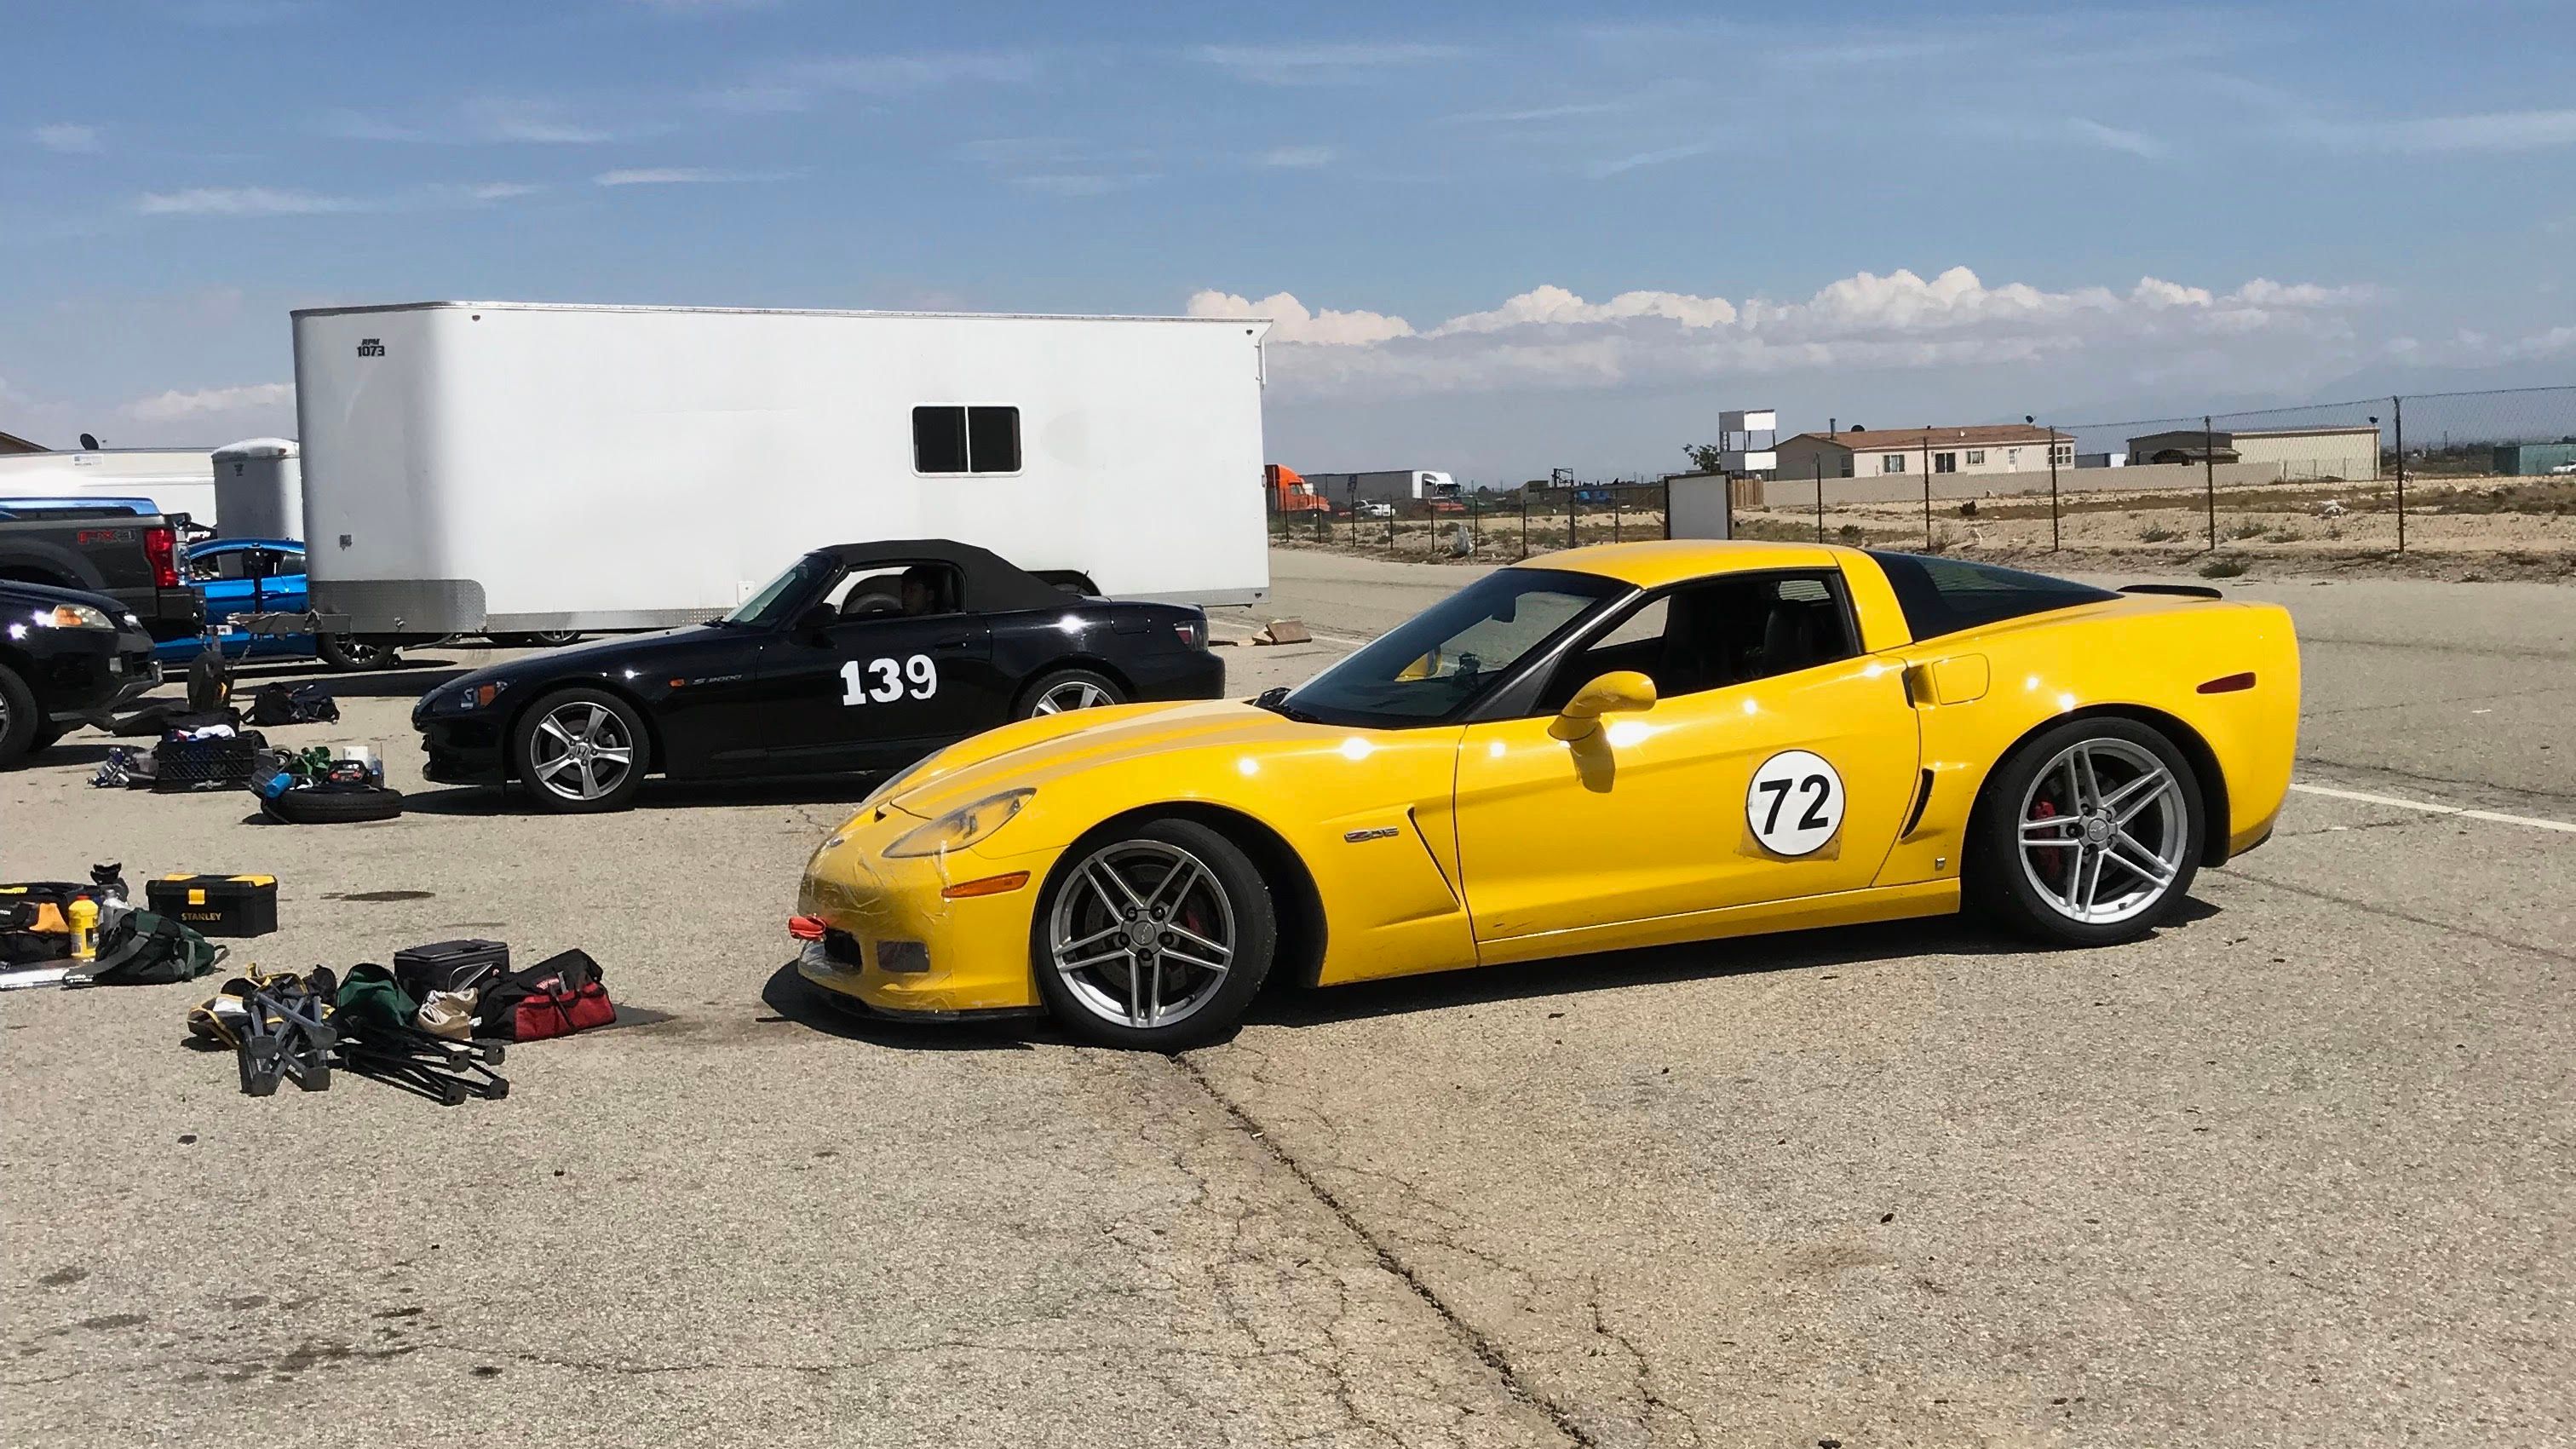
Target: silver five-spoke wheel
1072, 694
2104, 830
581, 750
1142, 934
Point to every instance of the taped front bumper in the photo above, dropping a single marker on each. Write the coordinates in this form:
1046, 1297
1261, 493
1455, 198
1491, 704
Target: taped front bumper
977, 947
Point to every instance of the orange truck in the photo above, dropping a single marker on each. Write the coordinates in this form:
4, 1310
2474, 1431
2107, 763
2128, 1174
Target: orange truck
1290, 493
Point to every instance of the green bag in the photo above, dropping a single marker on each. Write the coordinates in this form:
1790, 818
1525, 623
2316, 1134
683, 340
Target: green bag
370, 996
144, 949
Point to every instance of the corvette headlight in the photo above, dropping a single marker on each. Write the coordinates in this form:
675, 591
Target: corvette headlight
961, 827
73, 616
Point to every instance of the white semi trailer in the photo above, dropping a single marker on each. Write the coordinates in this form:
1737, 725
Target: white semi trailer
1386, 485
479, 467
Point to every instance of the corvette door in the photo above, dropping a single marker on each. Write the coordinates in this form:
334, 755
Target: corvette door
1776, 763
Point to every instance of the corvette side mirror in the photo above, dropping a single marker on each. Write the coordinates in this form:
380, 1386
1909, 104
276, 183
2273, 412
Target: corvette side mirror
817, 619
1621, 691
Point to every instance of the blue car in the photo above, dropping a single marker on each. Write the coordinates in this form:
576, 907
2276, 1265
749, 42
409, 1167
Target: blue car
237, 576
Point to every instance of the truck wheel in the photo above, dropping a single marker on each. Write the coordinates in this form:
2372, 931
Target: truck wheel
19, 722
1066, 689
344, 654
2087, 835
1153, 936
581, 751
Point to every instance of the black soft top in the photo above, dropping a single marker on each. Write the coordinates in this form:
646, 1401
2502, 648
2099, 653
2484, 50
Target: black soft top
987, 582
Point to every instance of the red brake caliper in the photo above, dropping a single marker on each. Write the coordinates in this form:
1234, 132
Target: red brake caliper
2052, 864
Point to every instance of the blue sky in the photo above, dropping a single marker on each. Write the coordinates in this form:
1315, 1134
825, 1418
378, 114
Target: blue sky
1502, 237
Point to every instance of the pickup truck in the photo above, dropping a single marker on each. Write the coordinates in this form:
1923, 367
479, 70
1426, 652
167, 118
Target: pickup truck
123, 548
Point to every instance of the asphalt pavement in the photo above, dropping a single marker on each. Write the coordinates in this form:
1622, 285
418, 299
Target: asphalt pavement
2295, 1170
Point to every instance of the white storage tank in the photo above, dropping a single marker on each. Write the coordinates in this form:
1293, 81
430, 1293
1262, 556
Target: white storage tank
259, 489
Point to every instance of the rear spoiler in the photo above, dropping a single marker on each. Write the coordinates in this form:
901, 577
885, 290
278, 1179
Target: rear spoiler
2179, 591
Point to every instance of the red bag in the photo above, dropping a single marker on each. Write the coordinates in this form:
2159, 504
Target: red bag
556, 997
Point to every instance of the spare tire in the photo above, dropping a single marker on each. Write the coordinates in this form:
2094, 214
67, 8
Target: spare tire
334, 805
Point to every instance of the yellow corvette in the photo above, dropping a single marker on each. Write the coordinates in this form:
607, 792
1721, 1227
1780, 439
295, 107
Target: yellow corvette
1602, 748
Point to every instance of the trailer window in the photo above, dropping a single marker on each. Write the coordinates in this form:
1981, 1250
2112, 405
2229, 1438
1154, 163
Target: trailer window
965, 440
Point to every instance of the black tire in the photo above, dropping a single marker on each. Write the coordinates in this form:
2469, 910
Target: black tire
19, 722
48, 736
1251, 934
1070, 689
333, 805
2010, 881
345, 654
541, 639
536, 752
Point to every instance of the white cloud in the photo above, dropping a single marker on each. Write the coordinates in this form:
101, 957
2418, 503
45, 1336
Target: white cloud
1533, 113
173, 406
2118, 138
1297, 158
1292, 65
1601, 170
239, 201
799, 85
68, 139
501, 190
480, 120
1550, 337
1083, 183
1294, 323
1555, 306
656, 176
2435, 135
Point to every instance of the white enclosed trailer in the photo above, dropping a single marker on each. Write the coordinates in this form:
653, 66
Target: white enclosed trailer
177, 480
1386, 485
259, 483
472, 467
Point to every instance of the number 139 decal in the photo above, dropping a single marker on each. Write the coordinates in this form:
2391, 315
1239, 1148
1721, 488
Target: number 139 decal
1795, 804
883, 681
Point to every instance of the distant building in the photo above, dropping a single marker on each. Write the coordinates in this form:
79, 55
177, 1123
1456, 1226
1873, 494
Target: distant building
2531, 460
1872, 453
2347, 453
12, 443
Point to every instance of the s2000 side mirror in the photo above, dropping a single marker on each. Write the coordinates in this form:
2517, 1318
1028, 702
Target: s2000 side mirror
1620, 691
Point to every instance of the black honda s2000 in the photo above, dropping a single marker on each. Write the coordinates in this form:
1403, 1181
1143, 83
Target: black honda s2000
858, 657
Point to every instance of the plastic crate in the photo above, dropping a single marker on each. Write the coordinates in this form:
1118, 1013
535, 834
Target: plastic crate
186, 764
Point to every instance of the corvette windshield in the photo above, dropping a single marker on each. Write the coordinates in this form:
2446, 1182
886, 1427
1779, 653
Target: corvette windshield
1443, 659
769, 606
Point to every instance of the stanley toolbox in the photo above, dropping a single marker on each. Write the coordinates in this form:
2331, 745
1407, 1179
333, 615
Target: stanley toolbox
216, 905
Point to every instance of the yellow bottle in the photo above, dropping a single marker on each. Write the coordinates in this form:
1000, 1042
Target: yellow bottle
84, 919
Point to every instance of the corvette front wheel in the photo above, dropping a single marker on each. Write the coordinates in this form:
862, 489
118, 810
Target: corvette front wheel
2089, 834
1153, 937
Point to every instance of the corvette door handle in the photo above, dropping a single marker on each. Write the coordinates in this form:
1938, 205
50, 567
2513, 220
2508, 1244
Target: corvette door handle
954, 641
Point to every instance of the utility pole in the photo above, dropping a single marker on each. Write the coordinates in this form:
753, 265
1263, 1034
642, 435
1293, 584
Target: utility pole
1820, 495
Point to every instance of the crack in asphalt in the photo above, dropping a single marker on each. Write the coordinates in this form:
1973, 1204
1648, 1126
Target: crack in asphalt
2418, 778
1485, 1349
2372, 908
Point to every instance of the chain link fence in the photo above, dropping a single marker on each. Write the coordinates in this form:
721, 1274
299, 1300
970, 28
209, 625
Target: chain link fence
2467, 474
1484, 524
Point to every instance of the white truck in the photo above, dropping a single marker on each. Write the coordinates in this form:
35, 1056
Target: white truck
482, 467
1389, 486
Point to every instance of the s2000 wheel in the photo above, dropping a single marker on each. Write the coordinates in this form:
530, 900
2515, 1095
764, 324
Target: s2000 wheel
2088, 834
1153, 936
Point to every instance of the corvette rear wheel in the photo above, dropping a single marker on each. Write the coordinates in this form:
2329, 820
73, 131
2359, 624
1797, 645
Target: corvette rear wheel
581, 751
1070, 689
2090, 833
1153, 937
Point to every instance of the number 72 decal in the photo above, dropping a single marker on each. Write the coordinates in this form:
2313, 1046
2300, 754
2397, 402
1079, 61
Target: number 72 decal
1795, 803
883, 681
